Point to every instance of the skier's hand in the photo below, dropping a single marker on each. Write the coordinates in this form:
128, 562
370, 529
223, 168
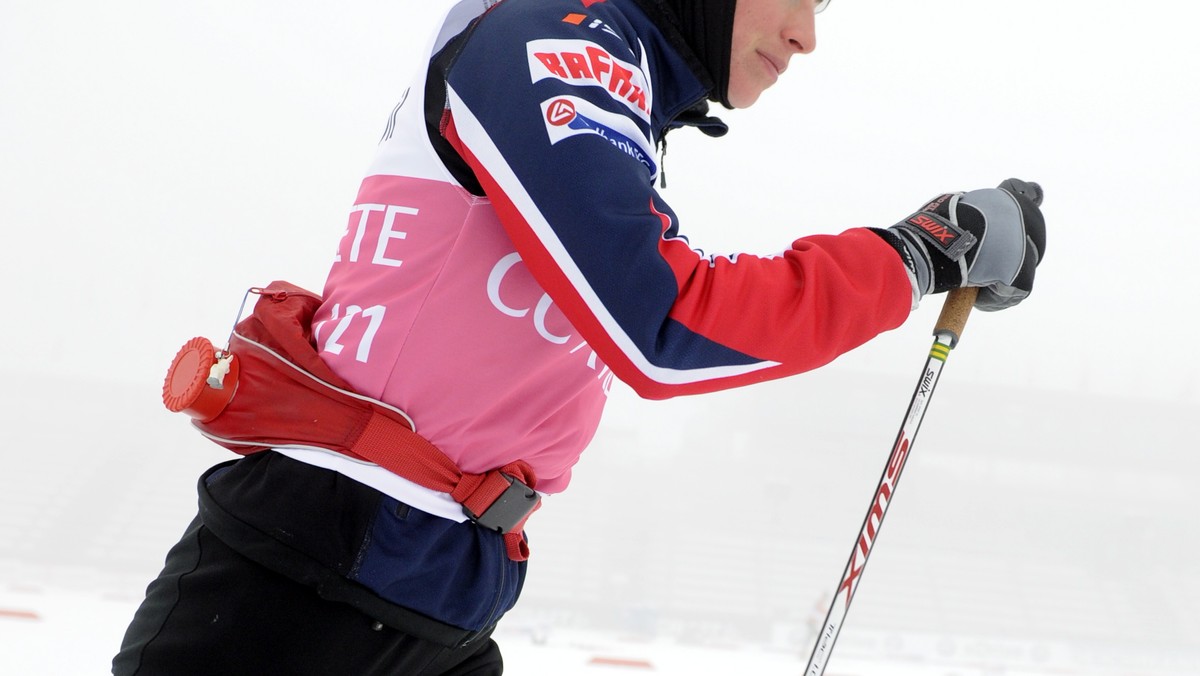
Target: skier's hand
992, 238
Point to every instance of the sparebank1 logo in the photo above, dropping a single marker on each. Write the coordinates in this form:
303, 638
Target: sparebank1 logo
568, 116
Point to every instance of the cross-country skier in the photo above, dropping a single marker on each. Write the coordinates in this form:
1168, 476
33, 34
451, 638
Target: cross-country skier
506, 257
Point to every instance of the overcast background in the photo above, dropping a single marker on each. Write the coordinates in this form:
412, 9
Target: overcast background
156, 159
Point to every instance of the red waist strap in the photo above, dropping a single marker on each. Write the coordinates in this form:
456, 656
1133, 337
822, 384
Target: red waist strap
401, 451
285, 395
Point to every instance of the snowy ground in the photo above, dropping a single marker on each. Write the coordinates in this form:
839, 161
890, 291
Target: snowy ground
58, 632
36, 625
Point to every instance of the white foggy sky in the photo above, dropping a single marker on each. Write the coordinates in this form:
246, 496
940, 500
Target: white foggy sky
159, 158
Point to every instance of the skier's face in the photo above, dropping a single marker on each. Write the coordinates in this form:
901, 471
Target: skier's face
766, 33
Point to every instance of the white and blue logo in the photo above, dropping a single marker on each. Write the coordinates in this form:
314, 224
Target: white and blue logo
568, 116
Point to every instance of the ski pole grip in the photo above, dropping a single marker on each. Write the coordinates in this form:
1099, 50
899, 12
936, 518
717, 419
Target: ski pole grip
954, 314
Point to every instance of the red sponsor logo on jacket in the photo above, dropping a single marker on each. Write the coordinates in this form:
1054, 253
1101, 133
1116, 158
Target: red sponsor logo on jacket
584, 63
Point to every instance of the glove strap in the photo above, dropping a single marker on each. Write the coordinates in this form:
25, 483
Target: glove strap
939, 232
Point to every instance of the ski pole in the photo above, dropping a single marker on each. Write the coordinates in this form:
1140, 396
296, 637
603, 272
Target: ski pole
946, 334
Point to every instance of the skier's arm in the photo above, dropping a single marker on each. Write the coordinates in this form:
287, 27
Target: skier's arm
577, 198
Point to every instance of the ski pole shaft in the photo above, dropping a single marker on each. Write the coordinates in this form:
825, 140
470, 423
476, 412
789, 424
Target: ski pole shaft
946, 333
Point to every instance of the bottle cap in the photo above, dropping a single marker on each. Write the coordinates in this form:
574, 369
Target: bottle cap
186, 389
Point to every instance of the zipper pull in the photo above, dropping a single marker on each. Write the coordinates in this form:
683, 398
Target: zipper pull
662, 163
274, 294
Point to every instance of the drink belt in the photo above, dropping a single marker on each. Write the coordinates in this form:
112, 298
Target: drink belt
270, 388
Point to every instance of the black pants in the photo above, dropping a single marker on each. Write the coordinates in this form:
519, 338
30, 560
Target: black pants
212, 611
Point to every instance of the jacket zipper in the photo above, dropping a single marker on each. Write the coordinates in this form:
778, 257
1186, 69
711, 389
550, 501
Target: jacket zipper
662, 142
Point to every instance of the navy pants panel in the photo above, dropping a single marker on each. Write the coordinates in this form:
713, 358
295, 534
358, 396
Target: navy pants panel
454, 571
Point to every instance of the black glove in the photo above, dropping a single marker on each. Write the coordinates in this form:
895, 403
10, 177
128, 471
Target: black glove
992, 238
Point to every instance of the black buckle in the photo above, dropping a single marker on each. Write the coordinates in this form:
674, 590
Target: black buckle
510, 509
